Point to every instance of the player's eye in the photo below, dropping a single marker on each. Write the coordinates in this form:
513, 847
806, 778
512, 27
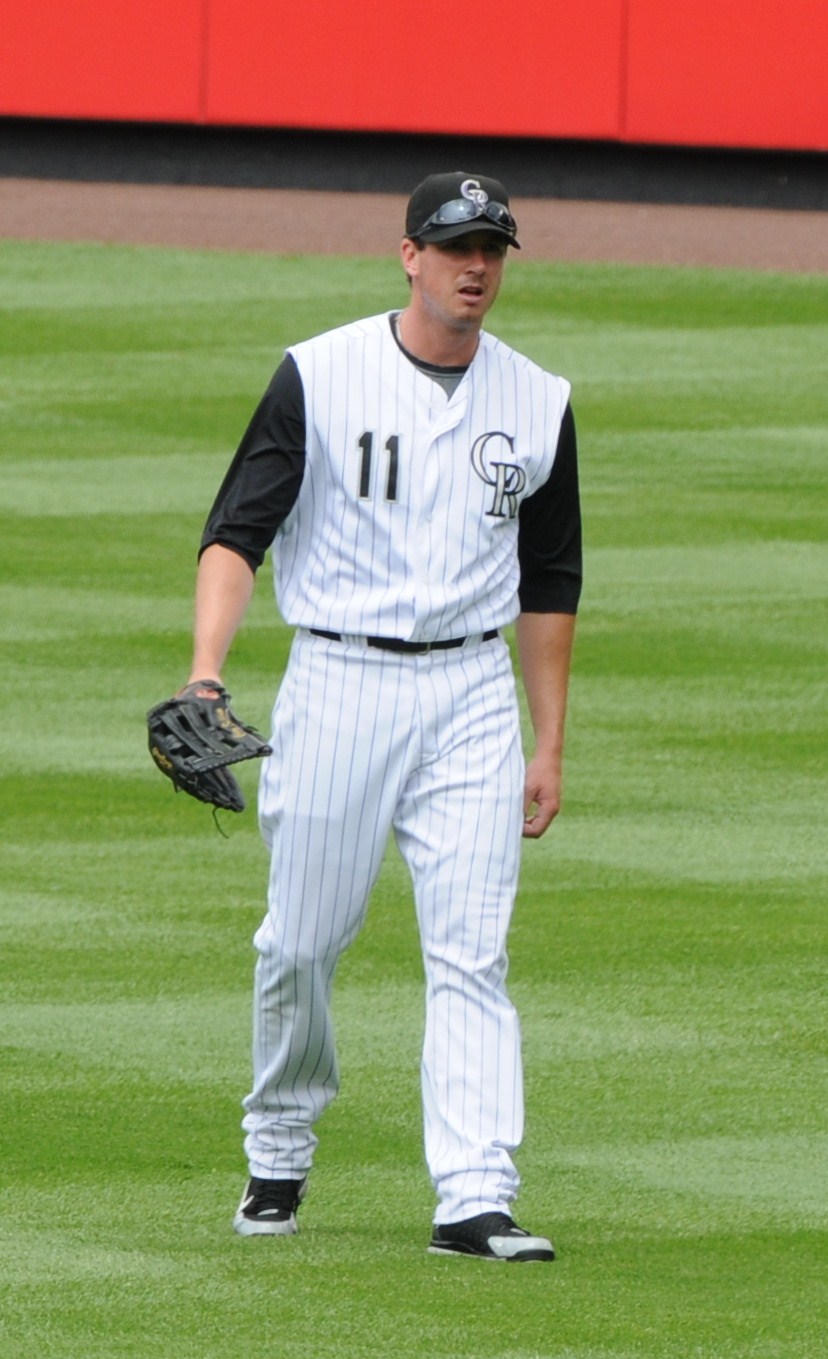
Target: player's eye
493, 249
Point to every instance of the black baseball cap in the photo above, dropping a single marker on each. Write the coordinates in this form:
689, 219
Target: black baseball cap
449, 205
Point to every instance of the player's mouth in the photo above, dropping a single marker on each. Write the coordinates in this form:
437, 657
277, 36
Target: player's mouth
472, 291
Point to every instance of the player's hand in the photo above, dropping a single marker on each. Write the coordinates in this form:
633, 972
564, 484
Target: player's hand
541, 796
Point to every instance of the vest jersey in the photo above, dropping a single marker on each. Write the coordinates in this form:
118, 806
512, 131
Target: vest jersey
406, 523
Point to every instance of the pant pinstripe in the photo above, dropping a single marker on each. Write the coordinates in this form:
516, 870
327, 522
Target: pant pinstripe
366, 742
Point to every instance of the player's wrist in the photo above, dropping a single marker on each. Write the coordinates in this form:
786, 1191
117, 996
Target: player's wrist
205, 665
549, 752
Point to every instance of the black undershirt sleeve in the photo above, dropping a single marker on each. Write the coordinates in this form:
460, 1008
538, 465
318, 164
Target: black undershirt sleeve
264, 478
549, 534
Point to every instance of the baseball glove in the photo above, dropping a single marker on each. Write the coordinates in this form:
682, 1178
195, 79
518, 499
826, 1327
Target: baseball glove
193, 739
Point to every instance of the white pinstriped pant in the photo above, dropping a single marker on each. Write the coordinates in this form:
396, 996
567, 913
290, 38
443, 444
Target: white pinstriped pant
366, 741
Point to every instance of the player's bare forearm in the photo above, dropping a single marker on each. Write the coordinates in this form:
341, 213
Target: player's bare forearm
545, 651
224, 587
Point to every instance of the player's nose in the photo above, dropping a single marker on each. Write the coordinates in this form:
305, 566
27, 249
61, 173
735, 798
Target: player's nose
477, 259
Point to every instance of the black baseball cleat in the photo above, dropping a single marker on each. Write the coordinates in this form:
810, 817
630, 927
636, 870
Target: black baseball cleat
268, 1207
491, 1236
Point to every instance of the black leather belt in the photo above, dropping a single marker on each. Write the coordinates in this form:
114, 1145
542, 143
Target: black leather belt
408, 648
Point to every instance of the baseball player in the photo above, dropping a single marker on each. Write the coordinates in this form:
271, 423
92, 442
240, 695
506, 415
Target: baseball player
417, 482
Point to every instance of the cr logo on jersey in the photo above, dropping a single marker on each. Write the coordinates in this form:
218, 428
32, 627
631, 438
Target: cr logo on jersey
507, 478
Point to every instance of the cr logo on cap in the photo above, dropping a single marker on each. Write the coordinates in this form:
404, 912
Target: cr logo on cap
470, 188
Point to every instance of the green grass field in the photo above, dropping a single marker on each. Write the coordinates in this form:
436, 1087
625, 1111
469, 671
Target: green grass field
668, 952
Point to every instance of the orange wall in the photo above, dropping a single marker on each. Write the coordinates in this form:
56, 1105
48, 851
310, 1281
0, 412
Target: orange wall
464, 66
696, 72
102, 58
728, 72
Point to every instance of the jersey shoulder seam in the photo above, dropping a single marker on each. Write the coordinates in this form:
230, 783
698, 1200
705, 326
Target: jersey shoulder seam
504, 352
364, 328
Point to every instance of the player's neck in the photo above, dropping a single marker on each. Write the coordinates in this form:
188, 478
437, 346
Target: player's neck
433, 341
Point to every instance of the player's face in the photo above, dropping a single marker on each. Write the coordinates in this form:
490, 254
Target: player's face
457, 281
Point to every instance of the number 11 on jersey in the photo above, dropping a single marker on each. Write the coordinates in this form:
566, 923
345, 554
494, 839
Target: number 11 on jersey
392, 445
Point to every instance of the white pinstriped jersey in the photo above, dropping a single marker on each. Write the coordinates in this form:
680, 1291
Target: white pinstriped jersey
406, 521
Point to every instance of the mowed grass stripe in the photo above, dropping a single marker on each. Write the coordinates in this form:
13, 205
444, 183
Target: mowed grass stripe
668, 950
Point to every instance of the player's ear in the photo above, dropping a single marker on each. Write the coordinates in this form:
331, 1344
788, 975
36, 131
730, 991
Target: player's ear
410, 254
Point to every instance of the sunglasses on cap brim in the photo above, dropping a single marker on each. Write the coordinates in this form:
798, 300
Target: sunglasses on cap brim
460, 210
